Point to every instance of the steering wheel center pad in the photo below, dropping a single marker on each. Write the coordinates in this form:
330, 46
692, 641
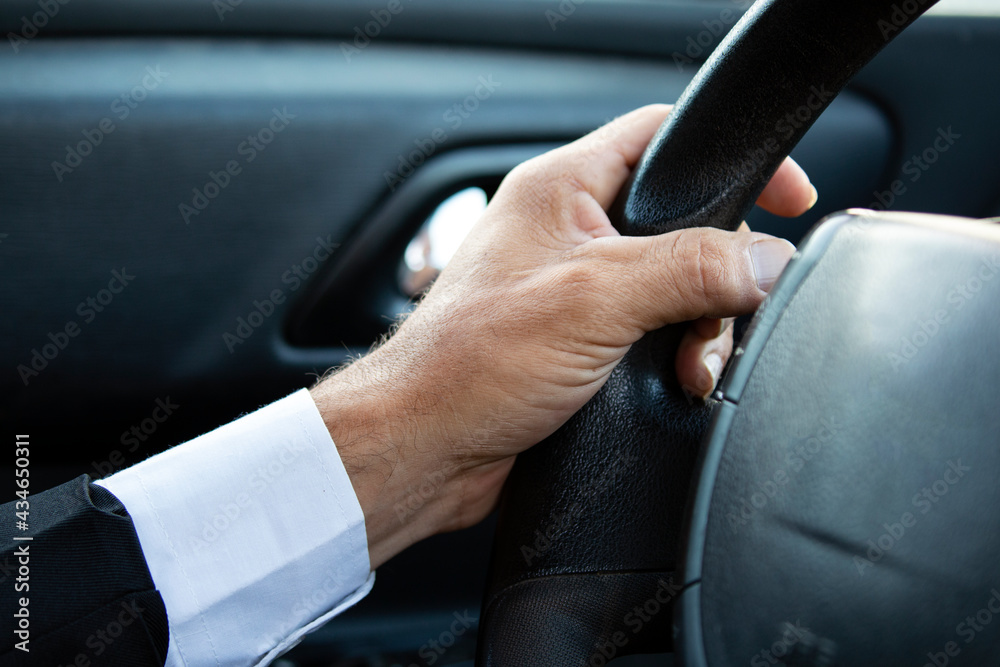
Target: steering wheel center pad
848, 508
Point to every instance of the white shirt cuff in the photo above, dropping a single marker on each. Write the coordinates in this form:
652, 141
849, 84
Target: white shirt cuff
252, 533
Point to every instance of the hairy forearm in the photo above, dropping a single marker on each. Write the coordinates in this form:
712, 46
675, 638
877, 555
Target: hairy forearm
403, 483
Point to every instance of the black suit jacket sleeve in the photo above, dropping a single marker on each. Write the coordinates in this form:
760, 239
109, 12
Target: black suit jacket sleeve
91, 599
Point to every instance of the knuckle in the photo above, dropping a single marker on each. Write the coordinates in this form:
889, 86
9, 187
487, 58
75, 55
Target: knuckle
524, 172
716, 273
577, 280
704, 267
537, 181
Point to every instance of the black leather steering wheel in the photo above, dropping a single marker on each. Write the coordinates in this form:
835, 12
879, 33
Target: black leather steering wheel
591, 521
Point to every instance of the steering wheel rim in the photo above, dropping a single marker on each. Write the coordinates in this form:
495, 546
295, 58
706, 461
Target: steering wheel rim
591, 522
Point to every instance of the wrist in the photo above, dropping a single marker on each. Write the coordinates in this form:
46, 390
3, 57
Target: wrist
405, 488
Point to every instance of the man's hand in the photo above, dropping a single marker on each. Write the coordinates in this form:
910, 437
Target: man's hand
525, 324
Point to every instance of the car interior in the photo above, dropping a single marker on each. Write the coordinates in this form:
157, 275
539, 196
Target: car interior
206, 204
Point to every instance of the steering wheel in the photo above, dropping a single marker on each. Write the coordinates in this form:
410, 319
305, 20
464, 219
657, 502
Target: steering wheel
591, 523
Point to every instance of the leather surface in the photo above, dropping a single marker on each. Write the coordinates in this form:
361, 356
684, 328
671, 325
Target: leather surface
575, 507
854, 515
705, 167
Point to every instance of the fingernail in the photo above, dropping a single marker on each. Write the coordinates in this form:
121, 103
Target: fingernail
716, 330
719, 328
713, 364
814, 198
769, 258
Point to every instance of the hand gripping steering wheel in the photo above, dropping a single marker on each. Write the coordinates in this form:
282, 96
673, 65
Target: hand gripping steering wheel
591, 522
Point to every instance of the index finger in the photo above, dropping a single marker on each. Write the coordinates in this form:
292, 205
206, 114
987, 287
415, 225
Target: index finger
602, 161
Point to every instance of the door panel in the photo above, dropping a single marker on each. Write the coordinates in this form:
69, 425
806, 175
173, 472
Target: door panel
222, 178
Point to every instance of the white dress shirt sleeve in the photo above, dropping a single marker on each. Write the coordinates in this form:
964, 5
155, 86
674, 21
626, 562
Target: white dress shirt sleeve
252, 533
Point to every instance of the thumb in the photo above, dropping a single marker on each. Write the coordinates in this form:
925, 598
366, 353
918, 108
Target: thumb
693, 273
